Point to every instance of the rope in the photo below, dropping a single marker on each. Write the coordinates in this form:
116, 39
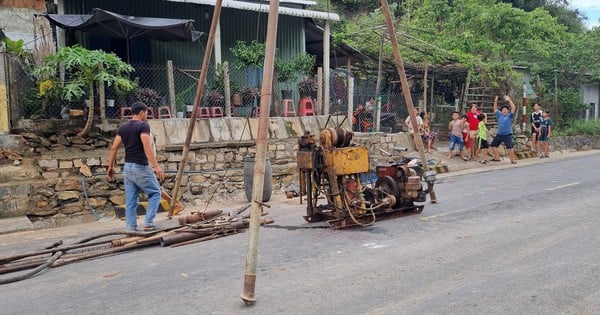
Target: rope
31, 273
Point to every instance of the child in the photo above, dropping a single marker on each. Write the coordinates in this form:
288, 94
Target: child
466, 135
545, 133
482, 138
456, 127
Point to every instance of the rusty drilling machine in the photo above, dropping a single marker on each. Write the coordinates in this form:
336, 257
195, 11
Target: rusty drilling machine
333, 177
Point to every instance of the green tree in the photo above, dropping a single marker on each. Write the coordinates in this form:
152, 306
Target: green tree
83, 68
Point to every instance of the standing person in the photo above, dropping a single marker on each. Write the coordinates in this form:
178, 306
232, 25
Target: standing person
545, 133
408, 125
466, 135
482, 136
141, 171
370, 104
473, 120
536, 120
504, 134
456, 126
427, 134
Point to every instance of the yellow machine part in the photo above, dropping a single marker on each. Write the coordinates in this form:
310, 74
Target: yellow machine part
350, 160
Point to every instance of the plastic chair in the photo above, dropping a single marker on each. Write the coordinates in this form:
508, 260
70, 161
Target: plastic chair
203, 112
288, 108
163, 112
306, 107
125, 112
216, 112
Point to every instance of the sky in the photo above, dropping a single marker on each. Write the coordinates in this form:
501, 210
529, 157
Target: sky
591, 8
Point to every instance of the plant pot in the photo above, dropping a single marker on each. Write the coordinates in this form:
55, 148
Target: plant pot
189, 108
179, 114
110, 102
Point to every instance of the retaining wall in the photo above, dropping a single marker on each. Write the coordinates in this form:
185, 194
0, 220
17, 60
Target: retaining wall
56, 189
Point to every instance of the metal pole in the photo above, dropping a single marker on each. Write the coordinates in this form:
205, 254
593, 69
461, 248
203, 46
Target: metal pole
261, 156
406, 90
524, 117
199, 90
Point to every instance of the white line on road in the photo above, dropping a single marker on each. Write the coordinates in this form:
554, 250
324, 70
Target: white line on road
564, 186
443, 214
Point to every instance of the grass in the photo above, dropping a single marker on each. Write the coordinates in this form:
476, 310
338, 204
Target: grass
579, 128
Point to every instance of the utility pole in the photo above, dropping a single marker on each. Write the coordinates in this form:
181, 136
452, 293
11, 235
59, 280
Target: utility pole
197, 97
409, 103
261, 156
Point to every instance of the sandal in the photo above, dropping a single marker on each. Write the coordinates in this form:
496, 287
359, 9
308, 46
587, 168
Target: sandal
513, 162
465, 159
150, 228
495, 160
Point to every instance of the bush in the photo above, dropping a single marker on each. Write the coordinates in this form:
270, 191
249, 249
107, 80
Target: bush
579, 128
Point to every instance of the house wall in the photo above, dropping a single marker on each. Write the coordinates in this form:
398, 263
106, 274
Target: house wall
591, 95
235, 25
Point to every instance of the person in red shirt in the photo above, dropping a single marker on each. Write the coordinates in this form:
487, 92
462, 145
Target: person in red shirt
473, 122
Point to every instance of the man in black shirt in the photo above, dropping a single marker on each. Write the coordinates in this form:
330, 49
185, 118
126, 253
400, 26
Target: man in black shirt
141, 171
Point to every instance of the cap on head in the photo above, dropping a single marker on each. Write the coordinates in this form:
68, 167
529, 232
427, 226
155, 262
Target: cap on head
138, 107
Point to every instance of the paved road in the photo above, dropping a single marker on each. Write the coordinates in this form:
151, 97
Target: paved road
515, 241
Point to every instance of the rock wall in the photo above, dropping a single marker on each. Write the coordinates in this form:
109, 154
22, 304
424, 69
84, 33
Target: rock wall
66, 183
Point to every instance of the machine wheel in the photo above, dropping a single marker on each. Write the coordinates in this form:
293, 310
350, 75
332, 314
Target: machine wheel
389, 186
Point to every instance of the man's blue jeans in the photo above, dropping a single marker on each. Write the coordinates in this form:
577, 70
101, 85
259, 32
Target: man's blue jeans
140, 178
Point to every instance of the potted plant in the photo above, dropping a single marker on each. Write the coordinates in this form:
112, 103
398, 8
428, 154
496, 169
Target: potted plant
214, 98
180, 107
85, 67
308, 87
148, 96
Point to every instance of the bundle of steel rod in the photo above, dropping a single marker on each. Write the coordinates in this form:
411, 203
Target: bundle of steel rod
197, 227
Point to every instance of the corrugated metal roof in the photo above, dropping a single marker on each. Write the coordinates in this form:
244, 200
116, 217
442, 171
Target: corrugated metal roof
241, 5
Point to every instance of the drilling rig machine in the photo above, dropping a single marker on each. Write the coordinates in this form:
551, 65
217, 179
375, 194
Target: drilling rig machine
336, 170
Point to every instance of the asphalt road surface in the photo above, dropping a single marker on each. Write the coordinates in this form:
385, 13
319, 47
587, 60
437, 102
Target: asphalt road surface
522, 240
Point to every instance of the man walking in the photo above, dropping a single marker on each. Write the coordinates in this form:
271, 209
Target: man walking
504, 133
141, 169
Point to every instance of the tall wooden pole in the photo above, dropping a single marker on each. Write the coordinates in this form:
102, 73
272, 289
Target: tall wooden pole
171, 86
197, 97
406, 90
378, 84
326, 67
425, 90
261, 156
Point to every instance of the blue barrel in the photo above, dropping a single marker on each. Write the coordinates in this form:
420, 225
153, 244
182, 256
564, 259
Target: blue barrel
249, 179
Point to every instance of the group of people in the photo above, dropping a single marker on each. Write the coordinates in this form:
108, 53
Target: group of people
469, 133
541, 130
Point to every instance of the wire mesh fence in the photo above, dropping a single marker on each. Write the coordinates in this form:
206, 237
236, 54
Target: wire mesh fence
153, 88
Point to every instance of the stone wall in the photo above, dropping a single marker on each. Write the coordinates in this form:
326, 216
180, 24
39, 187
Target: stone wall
60, 187
54, 188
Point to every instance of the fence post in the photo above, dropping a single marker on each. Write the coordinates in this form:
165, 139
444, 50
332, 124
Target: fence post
4, 123
227, 89
171, 86
101, 96
320, 90
350, 100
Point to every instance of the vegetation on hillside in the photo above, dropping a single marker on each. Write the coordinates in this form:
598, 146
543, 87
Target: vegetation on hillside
487, 37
